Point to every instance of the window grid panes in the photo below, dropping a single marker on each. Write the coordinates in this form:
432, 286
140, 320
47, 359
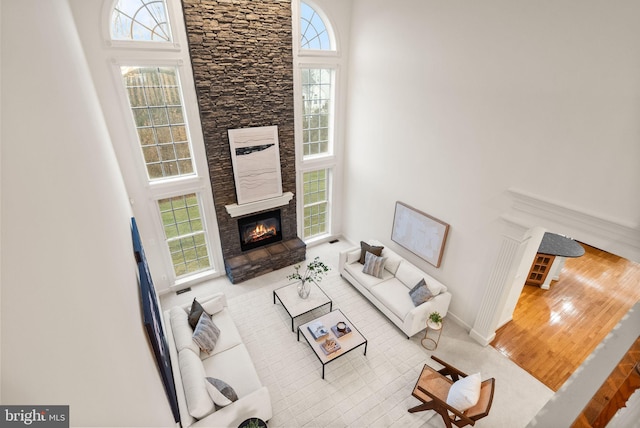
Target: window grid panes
313, 31
317, 91
315, 202
140, 20
156, 103
185, 234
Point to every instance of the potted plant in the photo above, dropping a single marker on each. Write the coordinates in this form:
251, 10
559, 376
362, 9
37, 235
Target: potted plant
253, 423
314, 271
435, 319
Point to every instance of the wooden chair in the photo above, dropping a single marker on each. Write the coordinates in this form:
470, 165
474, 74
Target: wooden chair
433, 387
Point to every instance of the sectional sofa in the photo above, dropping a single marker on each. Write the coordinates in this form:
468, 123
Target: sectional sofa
389, 287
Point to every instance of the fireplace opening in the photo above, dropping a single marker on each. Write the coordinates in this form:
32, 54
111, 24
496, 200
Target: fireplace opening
259, 229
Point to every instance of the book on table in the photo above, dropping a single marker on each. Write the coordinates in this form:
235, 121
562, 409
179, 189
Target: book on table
330, 346
317, 330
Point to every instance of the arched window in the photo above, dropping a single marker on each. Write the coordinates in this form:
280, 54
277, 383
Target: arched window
317, 64
140, 20
313, 30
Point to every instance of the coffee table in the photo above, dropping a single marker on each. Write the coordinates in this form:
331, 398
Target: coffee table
296, 305
348, 342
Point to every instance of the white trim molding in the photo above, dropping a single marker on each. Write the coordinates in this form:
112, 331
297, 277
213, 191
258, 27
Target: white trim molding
612, 235
237, 210
527, 212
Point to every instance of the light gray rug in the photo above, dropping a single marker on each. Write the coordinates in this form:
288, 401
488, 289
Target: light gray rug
372, 390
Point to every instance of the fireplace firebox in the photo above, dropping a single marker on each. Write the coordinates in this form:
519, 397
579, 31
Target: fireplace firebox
259, 229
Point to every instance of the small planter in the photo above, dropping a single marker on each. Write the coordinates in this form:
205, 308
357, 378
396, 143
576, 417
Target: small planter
253, 423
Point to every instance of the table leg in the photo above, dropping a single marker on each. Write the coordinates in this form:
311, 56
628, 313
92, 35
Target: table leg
365, 347
323, 371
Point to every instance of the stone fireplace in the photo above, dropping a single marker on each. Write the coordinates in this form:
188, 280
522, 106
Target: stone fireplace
241, 55
258, 230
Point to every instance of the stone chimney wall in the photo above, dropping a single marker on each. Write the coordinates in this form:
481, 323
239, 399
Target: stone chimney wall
241, 54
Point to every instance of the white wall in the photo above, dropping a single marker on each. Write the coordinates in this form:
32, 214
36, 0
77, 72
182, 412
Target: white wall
451, 103
71, 322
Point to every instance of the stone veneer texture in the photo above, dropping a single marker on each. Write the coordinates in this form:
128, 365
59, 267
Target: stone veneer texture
241, 53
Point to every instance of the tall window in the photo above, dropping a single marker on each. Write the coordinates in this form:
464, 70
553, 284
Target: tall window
185, 233
317, 64
317, 96
156, 103
169, 177
315, 202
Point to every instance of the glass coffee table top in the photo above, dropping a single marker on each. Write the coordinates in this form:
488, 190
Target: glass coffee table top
296, 305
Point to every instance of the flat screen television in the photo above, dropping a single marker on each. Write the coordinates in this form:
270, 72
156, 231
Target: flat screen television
152, 320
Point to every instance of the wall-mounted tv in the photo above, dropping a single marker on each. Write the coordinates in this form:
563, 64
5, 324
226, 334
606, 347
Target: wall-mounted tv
152, 320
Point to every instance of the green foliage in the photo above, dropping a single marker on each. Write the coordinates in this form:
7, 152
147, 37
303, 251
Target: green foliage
314, 271
435, 317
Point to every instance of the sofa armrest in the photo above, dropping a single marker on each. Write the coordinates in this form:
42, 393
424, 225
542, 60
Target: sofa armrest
212, 304
348, 256
416, 319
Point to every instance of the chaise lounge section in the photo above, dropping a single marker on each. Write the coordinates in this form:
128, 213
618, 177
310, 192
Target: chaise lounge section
200, 403
390, 289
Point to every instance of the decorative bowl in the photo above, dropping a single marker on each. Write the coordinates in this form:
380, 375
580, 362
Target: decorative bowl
341, 326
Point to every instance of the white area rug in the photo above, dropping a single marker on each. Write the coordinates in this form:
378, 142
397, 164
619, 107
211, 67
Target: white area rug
372, 390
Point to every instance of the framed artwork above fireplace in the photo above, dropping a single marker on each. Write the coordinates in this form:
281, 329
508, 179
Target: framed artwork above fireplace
255, 154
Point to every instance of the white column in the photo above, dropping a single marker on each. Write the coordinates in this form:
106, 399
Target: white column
500, 280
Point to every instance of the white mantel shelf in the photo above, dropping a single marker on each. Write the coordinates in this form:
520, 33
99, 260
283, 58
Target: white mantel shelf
236, 210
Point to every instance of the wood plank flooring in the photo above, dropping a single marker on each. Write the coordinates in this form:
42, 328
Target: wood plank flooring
553, 331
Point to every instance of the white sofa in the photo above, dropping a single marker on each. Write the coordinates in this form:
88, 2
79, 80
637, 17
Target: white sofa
390, 293
229, 361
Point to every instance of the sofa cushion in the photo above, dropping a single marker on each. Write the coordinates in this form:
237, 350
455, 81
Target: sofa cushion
236, 368
215, 305
221, 393
206, 333
393, 260
420, 293
194, 313
393, 294
435, 286
408, 274
366, 281
229, 335
373, 249
199, 403
182, 331
373, 265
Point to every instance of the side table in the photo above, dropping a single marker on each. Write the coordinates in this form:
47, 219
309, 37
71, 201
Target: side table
432, 342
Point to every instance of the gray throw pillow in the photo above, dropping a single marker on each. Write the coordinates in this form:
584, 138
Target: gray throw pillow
420, 293
194, 313
373, 265
364, 248
206, 333
220, 392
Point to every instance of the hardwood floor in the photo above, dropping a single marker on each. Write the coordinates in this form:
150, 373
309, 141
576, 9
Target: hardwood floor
553, 331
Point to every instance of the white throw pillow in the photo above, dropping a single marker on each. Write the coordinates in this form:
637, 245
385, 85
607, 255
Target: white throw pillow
465, 393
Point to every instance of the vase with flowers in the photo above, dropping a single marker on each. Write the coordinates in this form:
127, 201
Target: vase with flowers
314, 272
